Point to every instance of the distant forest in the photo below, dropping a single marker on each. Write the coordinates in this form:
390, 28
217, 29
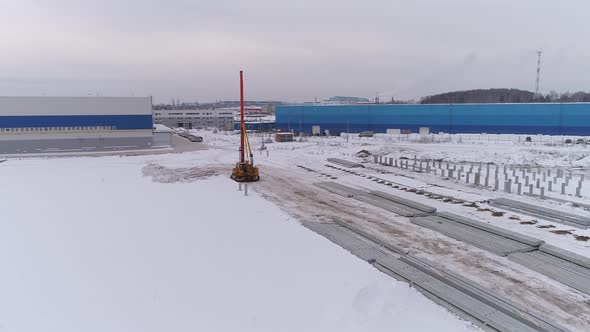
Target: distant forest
504, 96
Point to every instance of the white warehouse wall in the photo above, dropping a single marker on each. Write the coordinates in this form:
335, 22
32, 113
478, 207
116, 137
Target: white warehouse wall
16, 106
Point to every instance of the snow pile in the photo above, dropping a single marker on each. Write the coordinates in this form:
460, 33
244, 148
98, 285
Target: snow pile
582, 161
89, 244
163, 174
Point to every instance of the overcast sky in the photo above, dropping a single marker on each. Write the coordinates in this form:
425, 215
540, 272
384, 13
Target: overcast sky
290, 50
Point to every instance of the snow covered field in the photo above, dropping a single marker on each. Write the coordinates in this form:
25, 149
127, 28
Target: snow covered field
91, 244
168, 243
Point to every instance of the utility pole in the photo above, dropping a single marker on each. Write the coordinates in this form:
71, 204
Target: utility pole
347, 131
538, 73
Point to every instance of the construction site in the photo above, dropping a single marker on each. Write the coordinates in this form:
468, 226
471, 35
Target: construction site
502, 243
492, 229
303, 166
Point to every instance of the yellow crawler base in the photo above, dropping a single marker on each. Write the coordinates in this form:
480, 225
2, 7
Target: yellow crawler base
244, 172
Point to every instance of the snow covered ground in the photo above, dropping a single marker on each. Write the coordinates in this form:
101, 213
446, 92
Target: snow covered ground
154, 243
313, 152
167, 242
506, 150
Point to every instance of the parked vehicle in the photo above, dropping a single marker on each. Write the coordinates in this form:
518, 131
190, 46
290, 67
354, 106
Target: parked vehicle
367, 134
194, 138
581, 141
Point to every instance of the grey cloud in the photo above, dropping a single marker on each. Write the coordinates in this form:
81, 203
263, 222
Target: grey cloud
291, 50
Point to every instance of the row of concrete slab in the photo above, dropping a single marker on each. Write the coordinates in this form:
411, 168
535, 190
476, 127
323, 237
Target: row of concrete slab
542, 212
459, 294
563, 266
398, 205
493, 239
345, 163
395, 185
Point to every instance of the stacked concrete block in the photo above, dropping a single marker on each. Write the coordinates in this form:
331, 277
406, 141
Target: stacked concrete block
489, 176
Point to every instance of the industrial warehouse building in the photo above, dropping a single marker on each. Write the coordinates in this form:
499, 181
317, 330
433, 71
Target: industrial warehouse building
530, 119
75, 124
222, 119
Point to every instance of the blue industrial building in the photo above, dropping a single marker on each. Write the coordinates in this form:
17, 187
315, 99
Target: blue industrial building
545, 118
75, 124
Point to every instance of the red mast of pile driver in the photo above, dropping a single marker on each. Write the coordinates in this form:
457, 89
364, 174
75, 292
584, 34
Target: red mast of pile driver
242, 125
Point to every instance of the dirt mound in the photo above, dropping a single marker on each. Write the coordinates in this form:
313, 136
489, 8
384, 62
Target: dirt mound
363, 154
